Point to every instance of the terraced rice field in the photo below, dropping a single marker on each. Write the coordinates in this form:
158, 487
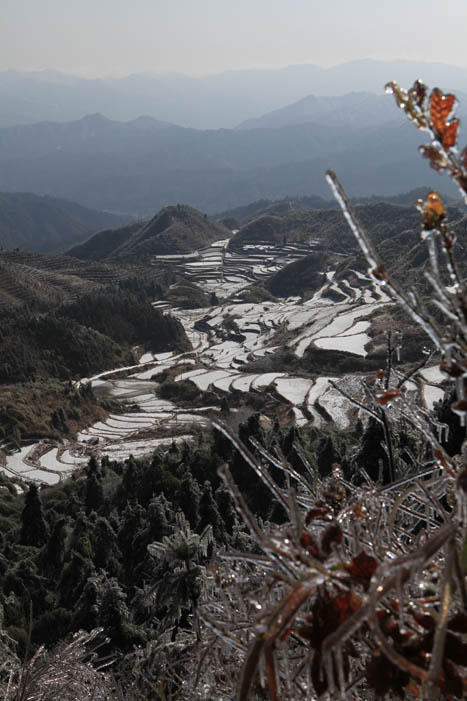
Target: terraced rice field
219, 355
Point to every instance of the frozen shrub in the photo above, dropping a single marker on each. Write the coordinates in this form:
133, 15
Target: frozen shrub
361, 593
72, 670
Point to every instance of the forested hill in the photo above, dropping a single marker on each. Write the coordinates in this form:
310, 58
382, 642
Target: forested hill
43, 223
96, 333
381, 220
250, 211
43, 280
394, 228
327, 227
175, 229
62, 317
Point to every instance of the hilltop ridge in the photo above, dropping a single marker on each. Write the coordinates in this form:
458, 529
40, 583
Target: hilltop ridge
173, 230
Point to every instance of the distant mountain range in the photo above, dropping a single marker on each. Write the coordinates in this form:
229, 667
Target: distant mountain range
245, 213
48, 224
358, 109
140, 166
212, 101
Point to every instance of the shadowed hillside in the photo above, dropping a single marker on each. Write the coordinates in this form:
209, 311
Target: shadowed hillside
35, 278
48, 224
327, 227
45, 281
102, 244
176, 229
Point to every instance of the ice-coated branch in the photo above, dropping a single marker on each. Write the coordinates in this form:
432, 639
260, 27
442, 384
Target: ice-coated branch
376, 268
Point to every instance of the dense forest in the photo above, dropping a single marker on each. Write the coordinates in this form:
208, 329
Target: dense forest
124, 547
76, 556
93, 334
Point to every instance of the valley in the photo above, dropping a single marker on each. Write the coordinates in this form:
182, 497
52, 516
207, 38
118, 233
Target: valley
232, 465
250, 352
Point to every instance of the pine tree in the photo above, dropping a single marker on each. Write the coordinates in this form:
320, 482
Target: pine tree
226, 508
33, 526
372, 455
94, 493
209, 513
127, 488
86, 613
80, 541
158, 509
53, 553
116, 618
326, 455
132, 523
188, 498
177, 588
93, 466
105, 547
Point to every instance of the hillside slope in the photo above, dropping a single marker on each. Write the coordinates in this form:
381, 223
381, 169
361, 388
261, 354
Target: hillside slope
48, 280
175, 229
327, 227
395, 229
102, 244
48, 224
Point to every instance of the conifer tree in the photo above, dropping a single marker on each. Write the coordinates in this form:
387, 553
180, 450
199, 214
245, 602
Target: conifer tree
81, 536
94, 493
74, 577
116, 618
188, 498
53, 553
33, 526
86, 613
93, 466
209, 513
127, 488
177, 587
157, 516
226, 508
105, 546
132, 523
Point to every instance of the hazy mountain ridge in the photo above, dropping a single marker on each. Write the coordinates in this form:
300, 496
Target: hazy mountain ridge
359, 109
44, 223
174, 147
137, 169
253, 210
211, 101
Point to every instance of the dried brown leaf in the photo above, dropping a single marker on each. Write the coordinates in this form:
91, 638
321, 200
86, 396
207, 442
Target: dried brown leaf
362, 566
440, 108
418, 93
436, 158
331, 536
388, 396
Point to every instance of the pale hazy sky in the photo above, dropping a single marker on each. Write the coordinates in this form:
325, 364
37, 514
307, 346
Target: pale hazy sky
117, 37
